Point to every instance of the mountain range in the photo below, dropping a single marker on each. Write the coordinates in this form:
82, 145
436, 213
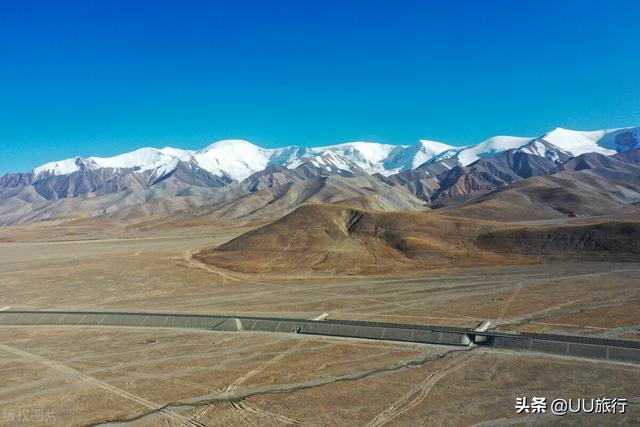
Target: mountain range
238, 159
235, 178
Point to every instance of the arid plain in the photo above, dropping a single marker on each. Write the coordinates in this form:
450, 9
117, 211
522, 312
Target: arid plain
96, 375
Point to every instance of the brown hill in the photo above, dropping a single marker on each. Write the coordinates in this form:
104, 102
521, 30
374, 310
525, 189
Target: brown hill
341, 239
620, 240
565, 194
359, 192
264, 201
491, 173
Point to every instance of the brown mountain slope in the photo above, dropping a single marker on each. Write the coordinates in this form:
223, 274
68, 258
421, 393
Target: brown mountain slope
491, 173
561, 195
440, 180
335, 238
614, 239
584, 186
231, 203
360, 192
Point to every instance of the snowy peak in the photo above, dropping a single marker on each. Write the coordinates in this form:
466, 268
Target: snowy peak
370, 156
415, 155
177, 152
233, 158
491, 147
63, 167
288, 155
386, 159
229, 144
236, 159
431, 148
329, 162
164, 170
607, 141
542, 148
139, 160
553, 145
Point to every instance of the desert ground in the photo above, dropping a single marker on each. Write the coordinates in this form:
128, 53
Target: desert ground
100, 375
94, 376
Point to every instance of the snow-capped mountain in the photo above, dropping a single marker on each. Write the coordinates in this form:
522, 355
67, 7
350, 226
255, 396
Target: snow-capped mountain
230, 171
235, 160
238, 159
541, 148
139, 160
607, 141
370, 156
490, 148
572, 142
414, 155
328, 161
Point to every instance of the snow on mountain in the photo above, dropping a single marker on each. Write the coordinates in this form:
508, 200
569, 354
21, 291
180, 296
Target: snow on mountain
451, 153
238, 159
64, 167
177, 152
385, 159
569, 142
431, 148
164, 169
287, 155
545, 149
233, 158
329, 161
139, 160
607, 142
490, 148
370, 156
414, 155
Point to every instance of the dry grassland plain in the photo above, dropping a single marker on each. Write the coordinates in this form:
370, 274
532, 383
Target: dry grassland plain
94, 375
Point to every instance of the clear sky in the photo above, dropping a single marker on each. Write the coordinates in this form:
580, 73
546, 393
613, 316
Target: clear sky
102, 77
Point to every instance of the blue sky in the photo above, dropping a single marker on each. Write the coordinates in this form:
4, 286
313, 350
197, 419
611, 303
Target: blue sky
103, 77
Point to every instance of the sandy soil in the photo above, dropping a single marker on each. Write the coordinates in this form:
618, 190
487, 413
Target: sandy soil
157, 273
96, 375
85, 375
